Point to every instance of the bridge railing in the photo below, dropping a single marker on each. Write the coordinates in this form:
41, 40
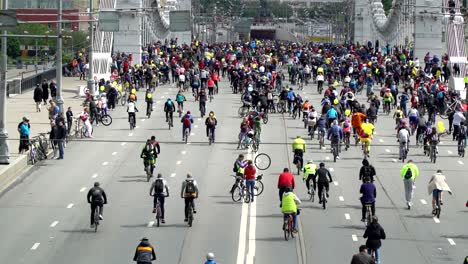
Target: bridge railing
102, 46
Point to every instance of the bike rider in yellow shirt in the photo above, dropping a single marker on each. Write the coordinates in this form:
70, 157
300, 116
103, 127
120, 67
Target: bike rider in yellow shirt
299, 148
309, 174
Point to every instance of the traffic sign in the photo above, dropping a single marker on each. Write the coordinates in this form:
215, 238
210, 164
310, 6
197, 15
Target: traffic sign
8, 19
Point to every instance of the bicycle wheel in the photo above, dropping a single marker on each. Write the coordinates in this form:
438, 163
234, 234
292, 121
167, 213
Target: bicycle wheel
190, 216
96, 219
286, 229
299, 166
265, 119
311, 194
246, 194
158, 214
258, 187
106, 120
236, 194
186, 135
324, 200
148, 172
262, 161
123, 100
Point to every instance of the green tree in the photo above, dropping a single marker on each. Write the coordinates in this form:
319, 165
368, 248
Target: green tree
387, 5
13, 47
283, 10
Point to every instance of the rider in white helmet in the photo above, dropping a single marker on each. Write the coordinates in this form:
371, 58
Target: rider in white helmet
210, 258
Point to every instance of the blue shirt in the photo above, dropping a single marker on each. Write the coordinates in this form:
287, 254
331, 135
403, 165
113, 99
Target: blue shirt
368, 192
24, 129
331, 114
335, 131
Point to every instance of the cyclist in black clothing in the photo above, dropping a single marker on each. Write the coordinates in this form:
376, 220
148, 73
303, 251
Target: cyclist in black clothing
169, 108
96, 197
202, 98
367, 170
321, 174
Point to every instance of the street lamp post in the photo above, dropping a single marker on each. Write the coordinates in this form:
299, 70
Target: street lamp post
58, 63
4, 153
90, 51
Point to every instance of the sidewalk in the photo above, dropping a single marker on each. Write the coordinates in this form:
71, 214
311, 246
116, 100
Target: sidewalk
14, 73
23, 105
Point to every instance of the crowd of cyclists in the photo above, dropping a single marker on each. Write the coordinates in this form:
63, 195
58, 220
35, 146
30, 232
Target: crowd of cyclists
270, 78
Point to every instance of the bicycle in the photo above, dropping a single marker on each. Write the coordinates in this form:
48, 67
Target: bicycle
299, 163
321, 138
461, 147
438, 205
240, 192
170, 122
403, 151
312, 193
123, 98
335, 150
288, 226
324, 198
80, 131
104, 119
281, 107
149, 167
36, 153
158, 212
365, 150
368, 214
186, 134
96, 219
386, 108
243, 110
433, 152
262, 161
190, 214
149, 109
347, 140
132, 122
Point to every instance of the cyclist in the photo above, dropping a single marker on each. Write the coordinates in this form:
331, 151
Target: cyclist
322, 181
413, 116
458, 120
431, 139
335, 135
408, 173
332, 115
149, 154
367, 170
311, 122
346, 127
374, 234
239, 167
155, 143
387, 99
169, 109
187, 121
436, 186
404, 139
289, 205
97, 198
299, 148
285, 180
356, 120
159, 190
202, 98
180, 99
210, 258
149, 101
189, 193
132, 96
321, 126
306, 107
144, 253
398, 115
422, 127
211, 122
365, 135
309, 174
369, 193
131, 110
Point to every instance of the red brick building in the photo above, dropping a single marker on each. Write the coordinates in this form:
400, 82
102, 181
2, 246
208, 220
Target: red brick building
45, 15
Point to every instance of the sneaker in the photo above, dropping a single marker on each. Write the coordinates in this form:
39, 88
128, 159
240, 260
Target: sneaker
100, 217
91, 226
337, 157
194, 211
186, 220
163, 221
154, 210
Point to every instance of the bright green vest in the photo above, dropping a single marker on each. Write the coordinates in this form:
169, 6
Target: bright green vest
288, 203
309, 169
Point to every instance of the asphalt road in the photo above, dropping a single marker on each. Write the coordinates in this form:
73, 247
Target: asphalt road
45, 218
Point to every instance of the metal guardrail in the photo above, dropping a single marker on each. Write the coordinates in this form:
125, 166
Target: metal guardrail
30, 82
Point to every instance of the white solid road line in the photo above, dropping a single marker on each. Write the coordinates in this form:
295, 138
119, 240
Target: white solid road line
460, 162
196, 126
94, 176
105, 163
150, 224
173, 175
178, 162
35, 246
192, 134
436, 220
114, 153
423, 201
451, 241
341, 198
354, 237
54, 224
143, 120
137, 127
347, 216
70, 206
83, 189
123, 143
252, 231
242, 234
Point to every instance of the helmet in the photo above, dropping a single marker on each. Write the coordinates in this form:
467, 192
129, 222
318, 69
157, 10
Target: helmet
188, 112
311, 161
96, 184
210, 256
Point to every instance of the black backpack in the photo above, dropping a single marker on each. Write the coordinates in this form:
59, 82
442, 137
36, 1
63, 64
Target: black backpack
368, 171
408, 174
190, 187
158, 186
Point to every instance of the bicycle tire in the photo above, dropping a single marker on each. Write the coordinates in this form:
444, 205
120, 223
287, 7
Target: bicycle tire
246, 194
312, 194
158, 214
186, 135
123, 100
106, 120
259, 187
96, 219
286, 229
262, 161
324, 200
236, 194
265, 119
190, 216
299, 167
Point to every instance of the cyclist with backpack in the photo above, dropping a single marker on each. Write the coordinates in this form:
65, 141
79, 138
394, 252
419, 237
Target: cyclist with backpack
149, 102
187, 121
149, 155
211, 122
369, 193
335, 135
159, 190
367, 170
408, 173
189, 193
169, 109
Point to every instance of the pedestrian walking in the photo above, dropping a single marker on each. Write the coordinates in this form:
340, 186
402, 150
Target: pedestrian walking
69, 119
24, 129
374, 234
362, 257
53, 89
53, 138
38, 97
45, 91
408, 173
60, 136
53, 110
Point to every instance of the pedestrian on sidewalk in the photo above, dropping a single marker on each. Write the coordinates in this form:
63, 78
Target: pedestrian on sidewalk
53, 110
45, 91
408, 173
38, 97
24, 129
69, 120
60, 136
53, 137
53, 89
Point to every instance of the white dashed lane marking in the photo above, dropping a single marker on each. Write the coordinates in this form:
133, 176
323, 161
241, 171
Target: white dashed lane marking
173, 175
70, 206
94, 176
460, 162
331, 169
341, 198
35, 246
423, 201
354, 237
380, 140
123, 143
196, 126
192, 134
336, 183
198, 119
178, 162
183, 152
130, 134
387, 150
449, 152
83, 189
436, 220
347, 216
150, 224
54, 224
114, 153
394, 160
327, 158
162, 96
451, 241
143, 120
105, 163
